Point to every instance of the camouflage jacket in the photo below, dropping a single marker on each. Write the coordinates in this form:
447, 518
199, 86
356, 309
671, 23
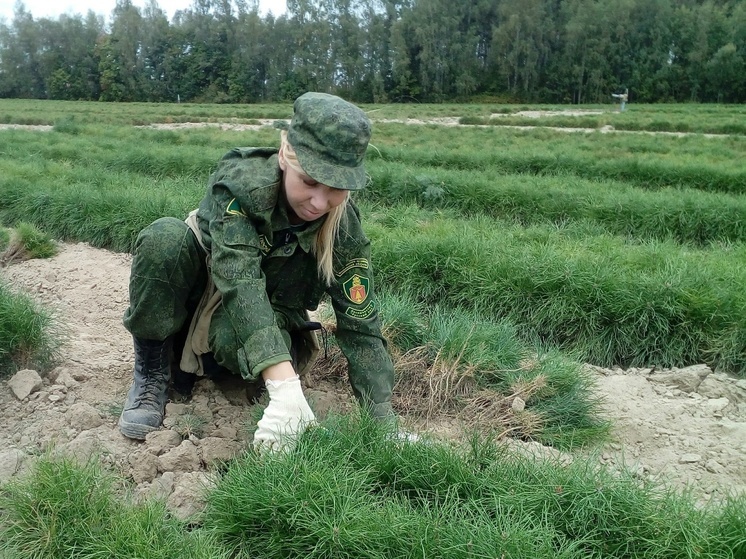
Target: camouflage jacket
267, 274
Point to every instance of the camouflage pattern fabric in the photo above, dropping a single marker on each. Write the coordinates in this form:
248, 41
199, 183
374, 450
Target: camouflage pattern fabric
267, 275
167, 278
330, 137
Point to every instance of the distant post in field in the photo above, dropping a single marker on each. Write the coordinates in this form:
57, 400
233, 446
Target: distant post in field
622, 99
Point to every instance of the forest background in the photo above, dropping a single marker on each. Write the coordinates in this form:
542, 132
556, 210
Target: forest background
538, 51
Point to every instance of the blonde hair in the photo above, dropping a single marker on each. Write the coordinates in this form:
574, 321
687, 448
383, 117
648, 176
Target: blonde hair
323, 248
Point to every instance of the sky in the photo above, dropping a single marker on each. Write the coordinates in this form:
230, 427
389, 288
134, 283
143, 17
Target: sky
55, 8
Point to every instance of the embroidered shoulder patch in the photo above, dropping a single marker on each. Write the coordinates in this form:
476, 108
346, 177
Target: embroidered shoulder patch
356, 289
234, 208
361, 263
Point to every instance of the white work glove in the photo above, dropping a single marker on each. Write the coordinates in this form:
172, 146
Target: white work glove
285, 418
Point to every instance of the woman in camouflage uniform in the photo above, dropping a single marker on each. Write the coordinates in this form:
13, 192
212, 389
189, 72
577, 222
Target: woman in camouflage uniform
274, 233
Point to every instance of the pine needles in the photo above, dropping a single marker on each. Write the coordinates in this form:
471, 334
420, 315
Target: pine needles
352, 489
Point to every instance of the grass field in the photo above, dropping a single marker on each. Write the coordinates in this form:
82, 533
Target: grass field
620, 249
496, 245
713, 119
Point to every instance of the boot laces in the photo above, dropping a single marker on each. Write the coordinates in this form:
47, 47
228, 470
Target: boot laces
151, 389
154, 383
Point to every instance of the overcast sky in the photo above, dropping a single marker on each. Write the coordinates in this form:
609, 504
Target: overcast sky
55, 8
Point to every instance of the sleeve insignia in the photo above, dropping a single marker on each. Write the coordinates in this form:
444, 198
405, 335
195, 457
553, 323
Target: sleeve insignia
361, 263
356, 289
234, 208
363, 313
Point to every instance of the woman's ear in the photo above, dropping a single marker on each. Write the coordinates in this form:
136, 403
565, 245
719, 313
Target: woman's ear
281, 159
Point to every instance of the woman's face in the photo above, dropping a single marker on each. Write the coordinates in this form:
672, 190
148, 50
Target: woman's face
308, 199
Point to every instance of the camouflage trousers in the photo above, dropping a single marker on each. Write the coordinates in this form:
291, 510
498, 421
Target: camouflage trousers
169, 274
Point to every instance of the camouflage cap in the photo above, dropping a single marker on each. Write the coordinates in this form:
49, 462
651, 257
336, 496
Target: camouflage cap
330, 136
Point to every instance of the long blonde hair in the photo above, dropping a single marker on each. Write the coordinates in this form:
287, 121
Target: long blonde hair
323, 248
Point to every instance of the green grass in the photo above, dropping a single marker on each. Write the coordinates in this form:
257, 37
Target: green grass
26, 242
4, 238
685, 215
351, 490
63, 510
96, 188
57, 113
604, 300
647, 162
611, 286
29, 334
690, 118
633, 121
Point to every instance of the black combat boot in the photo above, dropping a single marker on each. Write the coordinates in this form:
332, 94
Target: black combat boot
146, 401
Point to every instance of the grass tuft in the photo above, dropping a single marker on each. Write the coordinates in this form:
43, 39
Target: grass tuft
189, 424
455, 363
67, 125
49, 514
30, 337
27, 242
62, 509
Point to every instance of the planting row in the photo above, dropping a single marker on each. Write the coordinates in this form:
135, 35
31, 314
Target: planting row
352, 490
684, 215
687, 118
607, 301
646, 161
106, 159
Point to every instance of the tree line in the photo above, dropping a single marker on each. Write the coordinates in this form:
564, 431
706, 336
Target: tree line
551, 51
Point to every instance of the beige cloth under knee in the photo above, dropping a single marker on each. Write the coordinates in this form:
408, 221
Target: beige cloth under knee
197, 344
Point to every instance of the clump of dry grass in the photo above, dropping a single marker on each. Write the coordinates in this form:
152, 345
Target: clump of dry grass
429, 388
426, 388
453, 369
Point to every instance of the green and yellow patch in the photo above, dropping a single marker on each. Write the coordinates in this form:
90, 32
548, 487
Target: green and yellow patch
356, 289
234, 208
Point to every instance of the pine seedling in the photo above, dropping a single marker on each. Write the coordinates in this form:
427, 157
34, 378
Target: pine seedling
189, 424
27, 242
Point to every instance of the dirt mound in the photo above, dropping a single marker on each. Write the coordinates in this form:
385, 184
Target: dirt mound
687, 427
